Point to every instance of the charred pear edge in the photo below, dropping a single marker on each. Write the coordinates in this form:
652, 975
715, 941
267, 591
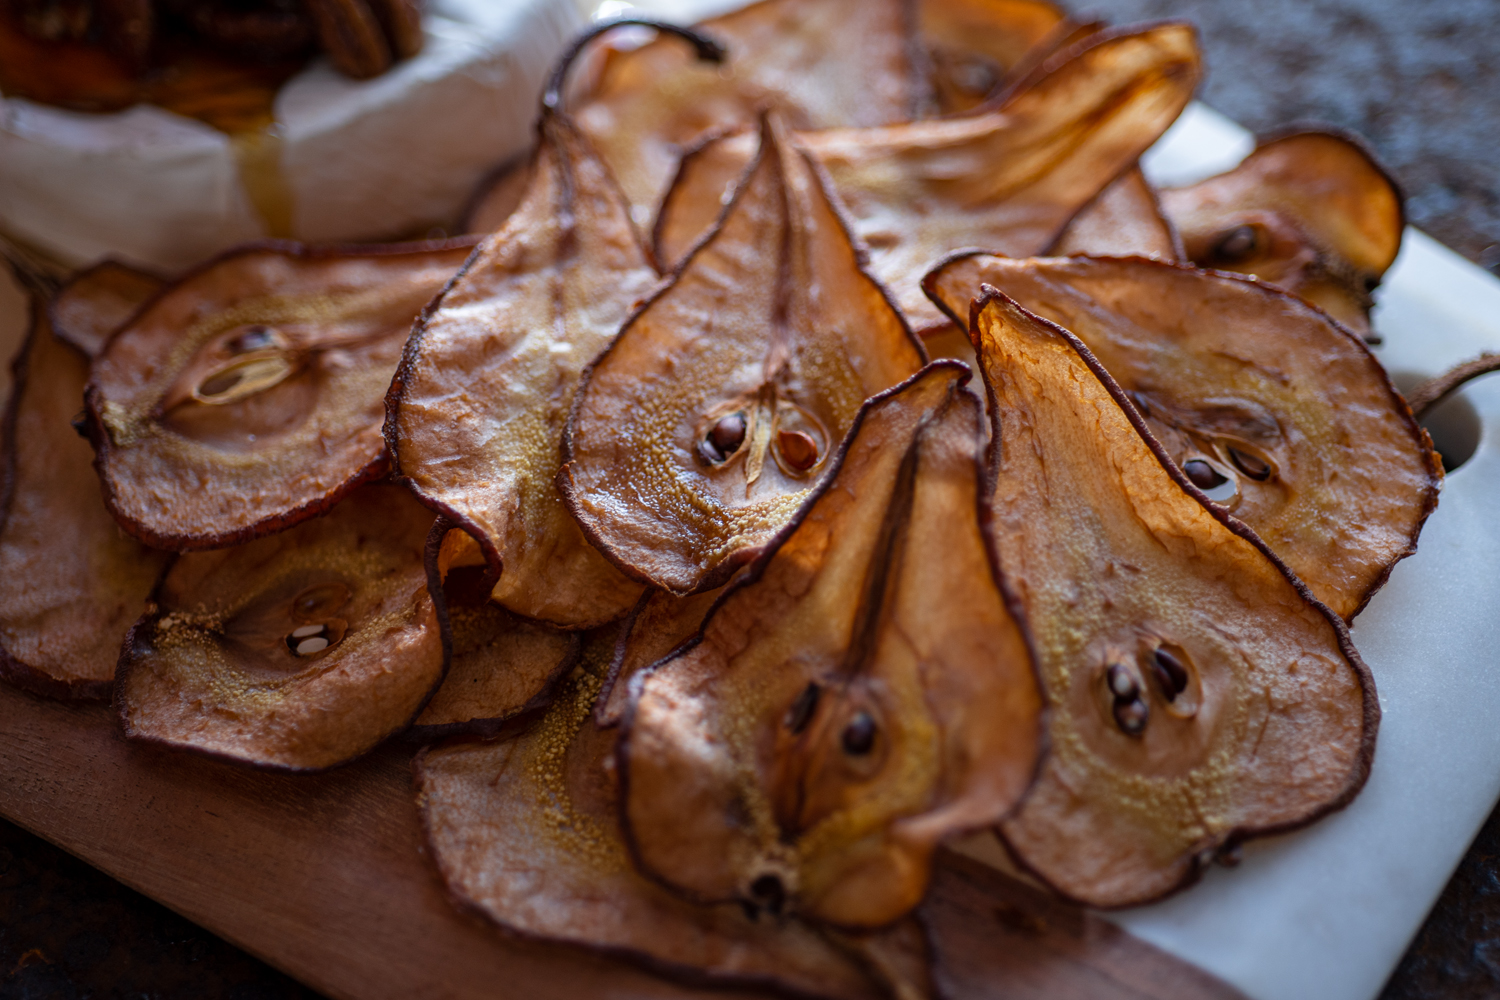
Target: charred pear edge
732, 564
1360, 771
147, 623
687, 975
1055, 60
59, 330
98, 437
487, 727
1404, 411
18, 672
757, 568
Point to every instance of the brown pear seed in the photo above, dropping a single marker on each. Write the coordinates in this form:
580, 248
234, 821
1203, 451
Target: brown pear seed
859, 735
1122, 682
1237, 244
802, 709
799, 450
1256, 468
1131, 716
1203, 475
1170, 673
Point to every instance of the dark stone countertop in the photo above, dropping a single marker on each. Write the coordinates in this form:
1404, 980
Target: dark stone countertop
1418, 80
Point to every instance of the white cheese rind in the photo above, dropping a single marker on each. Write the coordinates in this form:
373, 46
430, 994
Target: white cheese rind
359, 160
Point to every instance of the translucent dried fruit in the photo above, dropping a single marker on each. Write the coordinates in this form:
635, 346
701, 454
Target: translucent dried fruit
819, 64
478, 406
95, 302
974, 47
1311, 212
526, 833
772, 321
296, 652
499, 666
657, 626
1274, 412
1124, 575
70, 583
1125, 219
249, 395
863, 694
1007, 180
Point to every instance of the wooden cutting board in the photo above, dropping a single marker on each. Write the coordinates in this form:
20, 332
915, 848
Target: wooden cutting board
324, 877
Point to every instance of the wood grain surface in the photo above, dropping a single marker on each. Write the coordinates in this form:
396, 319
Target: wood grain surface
324, 878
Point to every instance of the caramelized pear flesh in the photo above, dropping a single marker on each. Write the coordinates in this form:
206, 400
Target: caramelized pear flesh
95, 302
249, 395
526, 832
863, 694
974, 47
296, 652
697, 433
1124, 220
1311, 212
71, 583
818, 64
478, 406
1277, 414
1198, 694
1007, 180
659, 625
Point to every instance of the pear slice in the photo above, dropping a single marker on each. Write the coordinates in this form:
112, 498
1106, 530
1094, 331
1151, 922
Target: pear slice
697, 433
1124, 220
71, 583
818, 63
1312, 212
1279, 415
660, 625
97, 301
295, 652
525, 832
1199, 694
248, 396
862, 695
478, 406
1007, 180
500, 666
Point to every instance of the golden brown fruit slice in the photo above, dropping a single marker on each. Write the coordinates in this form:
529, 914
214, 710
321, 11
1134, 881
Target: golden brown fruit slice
974, 47
526, 833
477, 408
1311, 212
698, 431
1125, 219
1199, 694
249, 395
864, 694
95, 302
1277, 414
500, 666
70, 583
819, 64
295, 652
1007, 180
659, 625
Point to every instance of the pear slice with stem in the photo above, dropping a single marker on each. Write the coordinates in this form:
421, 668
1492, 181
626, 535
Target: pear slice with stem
862, 694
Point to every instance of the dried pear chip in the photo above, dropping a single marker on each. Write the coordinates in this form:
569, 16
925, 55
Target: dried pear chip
1314, 213
71, 583
697, 433
974, 47
864, 694
497, 197
1278, 415
1125, 219
249, 395
95, 302
478, 405
659, 625
1007, 180
500, 666
1199, 694
819, 63
526, 833
296, 652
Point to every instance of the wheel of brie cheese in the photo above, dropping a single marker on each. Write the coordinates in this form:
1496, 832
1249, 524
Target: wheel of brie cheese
344, 159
